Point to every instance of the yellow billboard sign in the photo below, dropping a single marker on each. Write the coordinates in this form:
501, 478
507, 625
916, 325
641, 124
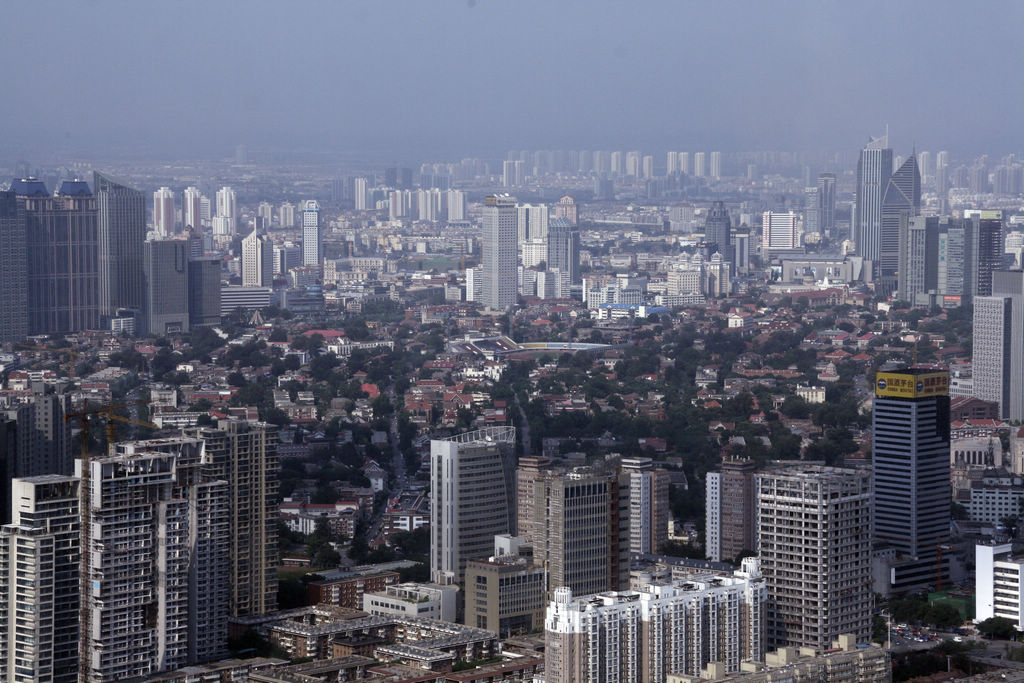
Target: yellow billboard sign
909, 385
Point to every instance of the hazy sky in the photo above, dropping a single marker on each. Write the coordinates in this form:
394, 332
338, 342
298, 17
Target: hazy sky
436, 78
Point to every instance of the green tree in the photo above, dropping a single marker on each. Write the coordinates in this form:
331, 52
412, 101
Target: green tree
1000, 628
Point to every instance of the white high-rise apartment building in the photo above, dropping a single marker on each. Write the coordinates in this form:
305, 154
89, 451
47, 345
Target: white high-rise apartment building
312, 234
472, 498
671, 163
647, 167
532, 221
474, 284
39, 582
205, 209
257, 260
191, 209
359, 189
814, 545
227, 209
455, 200
500, 252
716, 165
157, 548
699, 170
633, 164
163, 212
645, 635
616, 165
428, 204
266, 212
286, 215
684, 162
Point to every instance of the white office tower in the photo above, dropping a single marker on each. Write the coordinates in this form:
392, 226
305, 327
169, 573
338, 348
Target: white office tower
699, 169
780, 231
472, 498
312, 234
455, 200
39, 583
500, 252
716, 165
359, 190
192, 209
163, 212
157, 549
999, 584
814, 544
257, 260
643, 636
286, 215
532, 221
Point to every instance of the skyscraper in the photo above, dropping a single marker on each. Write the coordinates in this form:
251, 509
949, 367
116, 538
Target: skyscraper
698, 165
731, 511
163, 605
779, 232
257, 260
684, 162
286, 215
500, 253
121, 217
563, 248
39, 585
532, 221
472, 498
163, 212
13, 272
671, 163
312, 234
988, 230
993, 352
204, 291
191, 209
648, 505
814, 545
359, 187
63, 257
165, 287
999, 344
717, 225
910, 457
900, 202
227, 210
812, 208
245, 456
578, 524
919, 259
716, 165
873, 170
827, 203
455, 205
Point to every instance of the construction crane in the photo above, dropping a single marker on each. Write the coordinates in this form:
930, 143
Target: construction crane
85, 432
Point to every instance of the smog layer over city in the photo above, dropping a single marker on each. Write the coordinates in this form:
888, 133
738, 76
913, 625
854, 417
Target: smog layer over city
484, 341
